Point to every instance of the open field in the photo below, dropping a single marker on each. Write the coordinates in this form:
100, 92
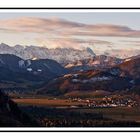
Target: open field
47, 102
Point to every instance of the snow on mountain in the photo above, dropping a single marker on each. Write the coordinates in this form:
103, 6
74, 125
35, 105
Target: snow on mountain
21, 63
61, 55
92, 80
96, 62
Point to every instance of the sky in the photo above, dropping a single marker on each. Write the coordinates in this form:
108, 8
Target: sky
97, 30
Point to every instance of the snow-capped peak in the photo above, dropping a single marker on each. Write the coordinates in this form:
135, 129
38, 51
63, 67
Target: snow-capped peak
61, 55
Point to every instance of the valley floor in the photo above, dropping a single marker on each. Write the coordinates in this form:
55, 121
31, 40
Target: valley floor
69, 113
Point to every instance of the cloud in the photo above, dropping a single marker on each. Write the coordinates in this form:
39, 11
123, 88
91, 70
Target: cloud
63, 27
130, 41
55, 32
133, 43
39, 25
70, 42
106, 30
123, 53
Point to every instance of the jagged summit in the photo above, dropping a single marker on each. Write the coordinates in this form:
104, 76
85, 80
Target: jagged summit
61, 55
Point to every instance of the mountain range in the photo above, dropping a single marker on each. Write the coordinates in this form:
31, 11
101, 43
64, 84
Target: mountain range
123, 77
96, 62
61, 55
68, 70
17, 73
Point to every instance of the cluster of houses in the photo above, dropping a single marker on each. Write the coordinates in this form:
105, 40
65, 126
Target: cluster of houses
105, 102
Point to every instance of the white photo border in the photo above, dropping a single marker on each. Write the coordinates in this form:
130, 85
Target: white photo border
69, 9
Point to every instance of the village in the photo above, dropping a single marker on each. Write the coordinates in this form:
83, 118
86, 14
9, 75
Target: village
105, 102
